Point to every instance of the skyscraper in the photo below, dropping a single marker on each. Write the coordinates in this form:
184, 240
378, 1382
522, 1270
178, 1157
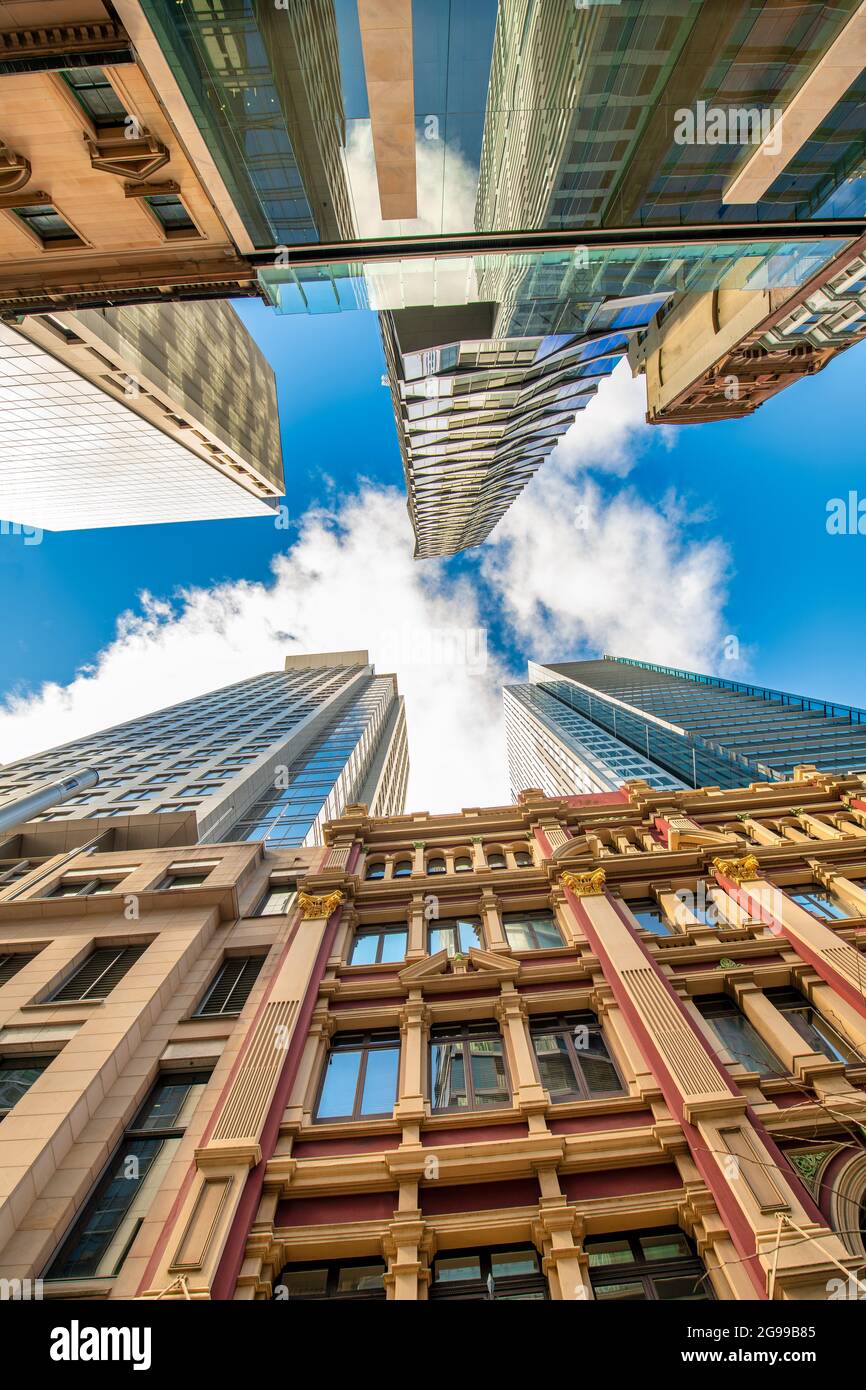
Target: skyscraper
138, 414
270, 758
585, 726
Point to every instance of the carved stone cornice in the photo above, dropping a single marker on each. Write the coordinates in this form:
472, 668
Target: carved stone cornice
310, 905
738, 870
585, 885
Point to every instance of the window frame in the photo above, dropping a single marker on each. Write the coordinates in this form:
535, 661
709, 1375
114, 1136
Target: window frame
132, 1133
34, 1061
797, 1005
483, 1289
527, 919
334, 1268
451, 1034
200, 1010
371, 1040
644, 1271
88, 997
724, 1006
453, 924
380, 930
563, 1025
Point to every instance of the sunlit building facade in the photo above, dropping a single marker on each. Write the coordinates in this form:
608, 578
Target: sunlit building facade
578, 726
623, 1060
136, 415
270, 758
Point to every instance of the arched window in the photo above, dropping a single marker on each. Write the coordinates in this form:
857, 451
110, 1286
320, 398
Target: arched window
523, 859
496, 860
436, 865
403, 868
463, 864
375, 870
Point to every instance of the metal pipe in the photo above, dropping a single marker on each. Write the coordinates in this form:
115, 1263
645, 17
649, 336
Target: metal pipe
16, 812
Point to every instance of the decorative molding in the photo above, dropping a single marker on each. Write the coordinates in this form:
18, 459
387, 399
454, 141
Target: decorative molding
585, 885
136, 160
312, 906
14, 170
738, 870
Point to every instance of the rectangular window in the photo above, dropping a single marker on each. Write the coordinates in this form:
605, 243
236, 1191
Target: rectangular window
83, 887
738, 1035
192, 879
231, 987
97, 976
649, 1266
170, 211
378, 945
13, 962
17, 1075
99, 1240
573, 1061
489, 1276
819, 901
355, 1280
96, 94
457, 936
277, 901
819, 1035
45, 221
467, 1067
533, 931
649, 915
360, 1077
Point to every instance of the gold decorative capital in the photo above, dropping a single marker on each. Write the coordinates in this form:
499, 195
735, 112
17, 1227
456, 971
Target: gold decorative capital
584, 884
312, 906
738, 870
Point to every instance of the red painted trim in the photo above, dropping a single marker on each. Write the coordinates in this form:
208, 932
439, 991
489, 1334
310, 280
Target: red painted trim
191, 1171
597, 798
542, 841
829, 974
233, 1254
706, 1163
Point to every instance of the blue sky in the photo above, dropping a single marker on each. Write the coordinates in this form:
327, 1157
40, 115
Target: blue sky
793, 594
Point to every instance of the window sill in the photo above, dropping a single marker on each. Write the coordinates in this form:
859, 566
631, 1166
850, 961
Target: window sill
62, 1004
83, 1290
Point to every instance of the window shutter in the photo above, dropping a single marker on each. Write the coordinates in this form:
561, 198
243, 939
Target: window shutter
231, 988
10, 965
98, 975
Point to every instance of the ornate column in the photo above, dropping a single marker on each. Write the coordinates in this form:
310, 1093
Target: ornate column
416, 946
414, 1023
408, 1274
838, 964
205, 1235
478, 860
528, 1093
494, 932
554, 1232
418, 857
758, 1196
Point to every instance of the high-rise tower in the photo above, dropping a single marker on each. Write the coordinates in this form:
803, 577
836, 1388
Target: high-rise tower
270, 758
585, 726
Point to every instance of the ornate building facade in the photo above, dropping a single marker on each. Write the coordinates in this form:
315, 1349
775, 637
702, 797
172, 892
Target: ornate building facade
606, 1047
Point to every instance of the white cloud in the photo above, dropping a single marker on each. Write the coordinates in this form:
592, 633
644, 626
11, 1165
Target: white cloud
627, 583
445, 184
581, 573
346, 583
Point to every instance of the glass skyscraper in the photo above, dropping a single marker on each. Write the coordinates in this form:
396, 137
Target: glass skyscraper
585, 726
269, 758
